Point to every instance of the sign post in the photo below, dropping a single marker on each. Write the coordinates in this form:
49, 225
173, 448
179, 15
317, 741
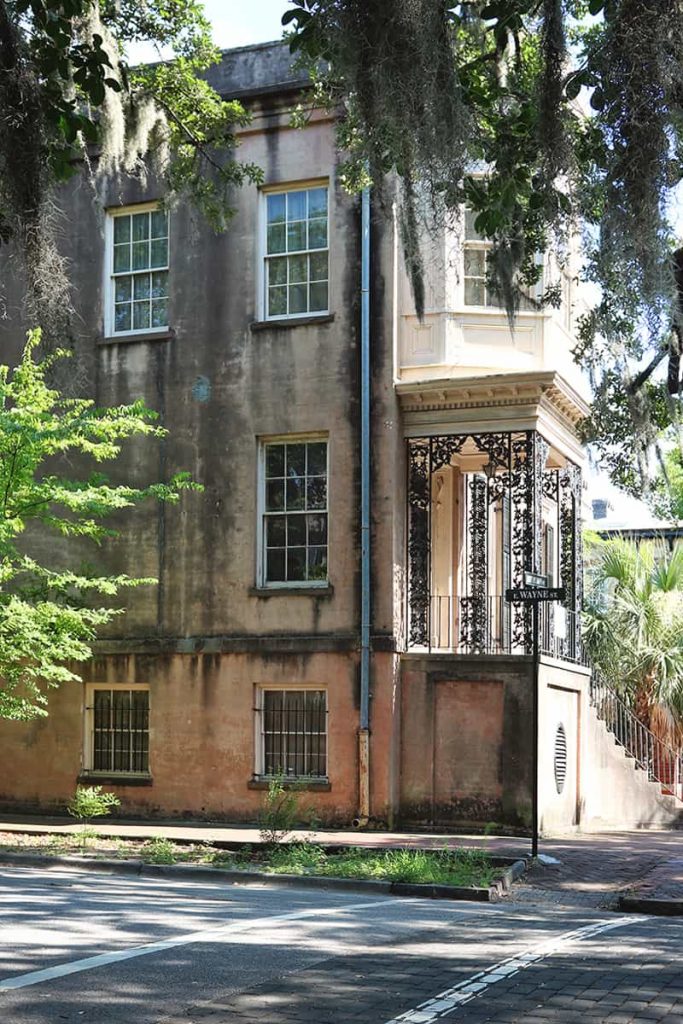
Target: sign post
534, 591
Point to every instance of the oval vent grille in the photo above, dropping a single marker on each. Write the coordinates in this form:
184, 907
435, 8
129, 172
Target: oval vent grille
560, 758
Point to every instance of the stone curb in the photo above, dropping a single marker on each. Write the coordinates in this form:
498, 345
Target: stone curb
644, 905
196, 872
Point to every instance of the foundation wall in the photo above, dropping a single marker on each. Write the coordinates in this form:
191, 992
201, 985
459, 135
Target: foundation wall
202, 737
466, 740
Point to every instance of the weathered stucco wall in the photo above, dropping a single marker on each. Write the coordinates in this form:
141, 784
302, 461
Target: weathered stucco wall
466, 740
602, 789
220, 383
202, 737
219, 386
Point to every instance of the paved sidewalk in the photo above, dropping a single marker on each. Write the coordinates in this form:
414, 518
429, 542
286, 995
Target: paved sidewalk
237, 835
593, 870
660, 892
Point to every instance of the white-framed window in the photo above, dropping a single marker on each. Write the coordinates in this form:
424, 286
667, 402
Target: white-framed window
293, 512
291, 732
137, 261
296, 251
476, 251
116, 739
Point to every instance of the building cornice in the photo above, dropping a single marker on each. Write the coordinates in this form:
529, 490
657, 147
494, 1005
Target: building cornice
543, 389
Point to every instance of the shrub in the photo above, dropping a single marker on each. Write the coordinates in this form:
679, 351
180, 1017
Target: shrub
280, 811
159, 850
90, 802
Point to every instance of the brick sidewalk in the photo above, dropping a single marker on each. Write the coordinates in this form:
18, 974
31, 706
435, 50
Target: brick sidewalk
238, 835
665, 882
660, 892
595, 869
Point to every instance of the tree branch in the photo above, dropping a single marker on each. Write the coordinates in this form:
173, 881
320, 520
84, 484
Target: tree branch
199, 146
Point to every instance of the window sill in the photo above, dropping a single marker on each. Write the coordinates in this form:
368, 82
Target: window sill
123, 339
498, 311
291, 321
114, 779
309, 785
325, 591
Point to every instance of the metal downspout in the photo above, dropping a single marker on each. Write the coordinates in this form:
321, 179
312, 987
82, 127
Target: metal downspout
364, 724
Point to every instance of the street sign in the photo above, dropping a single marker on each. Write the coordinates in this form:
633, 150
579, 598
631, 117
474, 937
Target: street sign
535, 579
533, 594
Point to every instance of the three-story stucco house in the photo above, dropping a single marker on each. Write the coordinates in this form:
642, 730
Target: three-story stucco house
245, 660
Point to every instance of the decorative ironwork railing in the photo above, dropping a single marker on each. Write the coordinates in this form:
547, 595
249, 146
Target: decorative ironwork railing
661, 761
491, 625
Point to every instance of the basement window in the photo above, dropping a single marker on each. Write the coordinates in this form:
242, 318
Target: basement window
291, 733
117, 730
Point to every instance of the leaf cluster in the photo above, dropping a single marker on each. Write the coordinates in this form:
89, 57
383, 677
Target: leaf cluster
50, 612
68, 94
571, 113
90, 802
633, 624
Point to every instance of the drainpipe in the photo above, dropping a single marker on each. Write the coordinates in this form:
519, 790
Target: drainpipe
364, 723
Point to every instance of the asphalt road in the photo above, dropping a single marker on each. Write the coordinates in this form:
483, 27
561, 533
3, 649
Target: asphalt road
109, 949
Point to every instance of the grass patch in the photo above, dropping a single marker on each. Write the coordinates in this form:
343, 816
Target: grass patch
430, 867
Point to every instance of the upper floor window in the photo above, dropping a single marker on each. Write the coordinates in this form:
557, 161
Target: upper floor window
296, 272
137, 270
294, 512
478, 291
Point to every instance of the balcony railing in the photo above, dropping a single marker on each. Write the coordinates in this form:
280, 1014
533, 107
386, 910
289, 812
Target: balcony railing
662, 762
493, 626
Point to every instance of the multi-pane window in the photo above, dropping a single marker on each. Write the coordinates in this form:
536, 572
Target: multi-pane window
139, 271
296, 262
117, 722
292, 733
294, 540
476, 257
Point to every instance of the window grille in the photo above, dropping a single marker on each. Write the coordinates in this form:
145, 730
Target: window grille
119, 727
293, 733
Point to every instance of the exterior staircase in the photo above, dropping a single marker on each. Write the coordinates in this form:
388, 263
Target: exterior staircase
641, 776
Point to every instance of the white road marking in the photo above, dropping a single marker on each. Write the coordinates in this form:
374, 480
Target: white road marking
450, 999
207, 935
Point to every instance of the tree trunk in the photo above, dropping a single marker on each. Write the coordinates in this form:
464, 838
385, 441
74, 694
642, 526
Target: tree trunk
644, 697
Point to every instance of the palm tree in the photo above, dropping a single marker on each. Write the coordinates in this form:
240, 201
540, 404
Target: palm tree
633, 630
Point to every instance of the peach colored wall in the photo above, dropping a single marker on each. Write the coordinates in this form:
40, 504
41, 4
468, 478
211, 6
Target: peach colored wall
202, 735
466, 739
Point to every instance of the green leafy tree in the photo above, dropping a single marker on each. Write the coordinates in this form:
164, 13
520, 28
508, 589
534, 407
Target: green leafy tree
573, 108
633, 629
50, 613
666, 498
68, 94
